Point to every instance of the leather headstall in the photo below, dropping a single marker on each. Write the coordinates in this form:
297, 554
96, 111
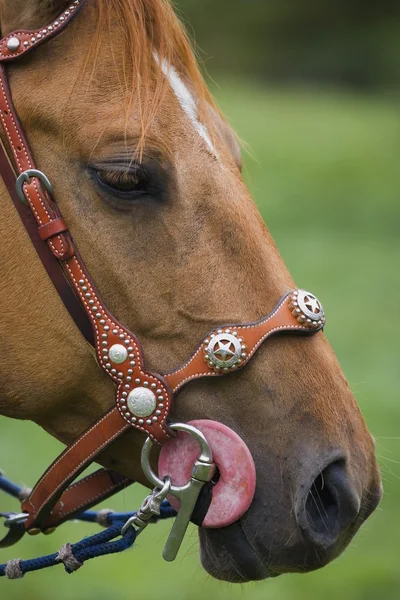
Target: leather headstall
143, 399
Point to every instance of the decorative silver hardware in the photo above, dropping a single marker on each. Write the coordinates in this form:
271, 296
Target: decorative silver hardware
118, 354
307, 309
26, 177
224, 351
142, 402
202, 471
13, 44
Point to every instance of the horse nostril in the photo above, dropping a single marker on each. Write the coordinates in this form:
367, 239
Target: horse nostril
331, 505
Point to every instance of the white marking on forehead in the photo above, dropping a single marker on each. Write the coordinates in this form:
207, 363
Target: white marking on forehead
187, 102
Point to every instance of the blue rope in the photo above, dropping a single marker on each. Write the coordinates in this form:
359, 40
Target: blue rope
9, 487
100, 544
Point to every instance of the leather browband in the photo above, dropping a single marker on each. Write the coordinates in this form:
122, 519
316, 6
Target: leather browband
118, 351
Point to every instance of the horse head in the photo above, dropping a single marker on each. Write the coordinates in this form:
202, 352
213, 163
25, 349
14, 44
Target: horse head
147, 174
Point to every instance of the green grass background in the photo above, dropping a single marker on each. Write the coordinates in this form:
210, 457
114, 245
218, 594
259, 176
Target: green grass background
325, 175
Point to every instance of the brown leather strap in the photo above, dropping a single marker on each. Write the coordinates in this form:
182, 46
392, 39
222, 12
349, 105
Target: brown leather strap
22, 41
84, 494
285, 317
50, 263
68, 466
52, 229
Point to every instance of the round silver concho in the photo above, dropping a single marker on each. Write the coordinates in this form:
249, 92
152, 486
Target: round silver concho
141, 402
224, 351
307, 309
118, 354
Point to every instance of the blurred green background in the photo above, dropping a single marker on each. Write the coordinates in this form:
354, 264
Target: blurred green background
312, 88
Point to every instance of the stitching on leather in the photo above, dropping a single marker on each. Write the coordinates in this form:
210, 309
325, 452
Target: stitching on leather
238, 328
21, 168
107, 316
249, 356
101, 494
94, 452
35, 32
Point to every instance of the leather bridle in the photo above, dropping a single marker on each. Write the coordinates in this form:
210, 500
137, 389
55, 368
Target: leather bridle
143, 399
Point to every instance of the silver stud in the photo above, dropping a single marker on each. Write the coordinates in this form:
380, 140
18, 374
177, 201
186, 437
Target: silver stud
33, 40
95, 308
50, 28
160, 398
155, 419
108, 366
124, 394
134, 419
62, 18
159, 391
130, 371
132, 363
56, 23
131, 355
99, 315
26, 43
114, 371
91, 302
104, 343
158, 412
104, 336
87, 295
120, 374
127, 342
130, 349
141, 421
129, 378
161, 405
115, 331
123, 408
102, 322
44, 31
137, 380
146, 383
123, 401
81, 282
127, 387
106, 328
121, 336
39, 36
153, 386
148, 422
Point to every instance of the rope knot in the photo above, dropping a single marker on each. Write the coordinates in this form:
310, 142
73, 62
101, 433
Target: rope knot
13, 569
66, 556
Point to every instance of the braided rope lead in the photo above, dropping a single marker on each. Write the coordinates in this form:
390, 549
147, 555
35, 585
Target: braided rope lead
73, 556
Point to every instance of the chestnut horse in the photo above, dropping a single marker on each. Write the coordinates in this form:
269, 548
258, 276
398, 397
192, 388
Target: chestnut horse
147, 175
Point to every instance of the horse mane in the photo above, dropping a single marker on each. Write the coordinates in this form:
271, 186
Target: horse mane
148, 29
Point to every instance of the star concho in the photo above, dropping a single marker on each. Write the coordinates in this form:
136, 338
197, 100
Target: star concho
307, 309
224, 350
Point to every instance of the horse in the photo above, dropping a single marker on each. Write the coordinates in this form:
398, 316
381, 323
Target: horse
147, 174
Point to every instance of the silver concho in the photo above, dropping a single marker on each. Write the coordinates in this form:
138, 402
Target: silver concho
224, 351
307, 309
141, 402
118, 354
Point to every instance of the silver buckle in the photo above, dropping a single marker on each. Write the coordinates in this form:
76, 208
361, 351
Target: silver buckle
26, 177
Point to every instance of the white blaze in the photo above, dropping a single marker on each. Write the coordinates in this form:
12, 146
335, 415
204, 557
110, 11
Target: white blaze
187, 102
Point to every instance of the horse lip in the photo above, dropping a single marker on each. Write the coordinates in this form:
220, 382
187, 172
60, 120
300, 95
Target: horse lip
228, 554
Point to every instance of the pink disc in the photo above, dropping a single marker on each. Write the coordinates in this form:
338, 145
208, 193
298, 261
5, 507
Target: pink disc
234, 492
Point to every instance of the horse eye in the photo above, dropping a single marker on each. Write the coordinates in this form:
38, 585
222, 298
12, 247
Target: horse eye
126, 182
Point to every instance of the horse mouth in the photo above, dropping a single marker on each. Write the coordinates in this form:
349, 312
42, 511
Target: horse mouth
227, 554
